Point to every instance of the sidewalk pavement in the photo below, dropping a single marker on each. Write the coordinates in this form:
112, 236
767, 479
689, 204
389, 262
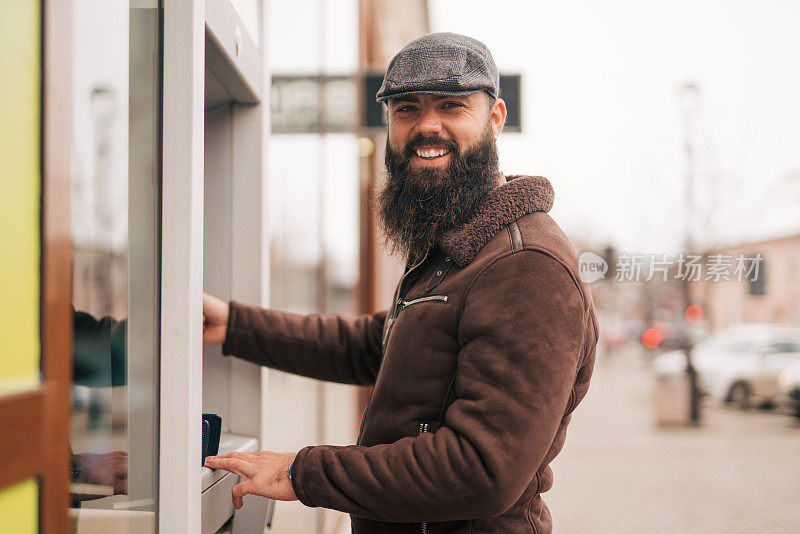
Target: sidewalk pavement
618, 473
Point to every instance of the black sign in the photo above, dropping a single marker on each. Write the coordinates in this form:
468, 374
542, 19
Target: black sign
511, 93
373, 111
309, 104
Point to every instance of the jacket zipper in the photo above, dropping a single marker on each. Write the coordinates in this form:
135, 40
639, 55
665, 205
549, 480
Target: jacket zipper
423, 427
406, 303
390, 320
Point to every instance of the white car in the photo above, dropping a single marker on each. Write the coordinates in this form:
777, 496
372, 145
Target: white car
741, 364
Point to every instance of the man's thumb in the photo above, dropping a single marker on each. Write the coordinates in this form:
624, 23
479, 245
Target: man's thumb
239, 491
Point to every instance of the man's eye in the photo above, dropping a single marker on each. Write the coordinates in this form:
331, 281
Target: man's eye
453, 104
405, 108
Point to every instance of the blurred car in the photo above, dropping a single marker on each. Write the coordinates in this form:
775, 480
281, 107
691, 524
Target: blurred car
739, 365
789, 386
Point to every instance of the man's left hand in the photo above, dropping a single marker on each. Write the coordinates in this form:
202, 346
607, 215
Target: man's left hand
264, 473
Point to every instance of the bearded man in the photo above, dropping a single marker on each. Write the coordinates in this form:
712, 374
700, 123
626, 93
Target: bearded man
488, 345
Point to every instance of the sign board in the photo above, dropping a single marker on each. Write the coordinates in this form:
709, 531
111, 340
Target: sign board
319, 104
309, 104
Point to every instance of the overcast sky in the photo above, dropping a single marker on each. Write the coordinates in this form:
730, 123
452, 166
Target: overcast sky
602, 118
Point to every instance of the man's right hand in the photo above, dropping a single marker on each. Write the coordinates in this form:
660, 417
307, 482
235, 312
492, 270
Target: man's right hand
215, 319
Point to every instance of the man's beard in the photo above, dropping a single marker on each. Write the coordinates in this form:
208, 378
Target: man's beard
419, 204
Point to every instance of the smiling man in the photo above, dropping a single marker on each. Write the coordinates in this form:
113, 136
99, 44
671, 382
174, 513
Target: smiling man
440, 149
488, 345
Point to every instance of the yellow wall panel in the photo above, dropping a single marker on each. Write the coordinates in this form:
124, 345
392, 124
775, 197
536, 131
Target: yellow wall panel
18, 506
20, 141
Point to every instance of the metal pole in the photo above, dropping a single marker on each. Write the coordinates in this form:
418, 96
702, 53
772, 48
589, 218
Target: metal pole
689, 94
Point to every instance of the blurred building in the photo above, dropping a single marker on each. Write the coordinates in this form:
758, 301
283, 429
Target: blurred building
773, 296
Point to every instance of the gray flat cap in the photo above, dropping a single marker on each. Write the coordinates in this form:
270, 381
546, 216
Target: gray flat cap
446, 64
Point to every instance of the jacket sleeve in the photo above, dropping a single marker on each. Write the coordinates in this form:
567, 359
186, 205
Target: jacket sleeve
520, 330
336, 348
98, 350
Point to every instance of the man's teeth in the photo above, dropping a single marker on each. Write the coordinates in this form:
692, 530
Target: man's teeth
431, 153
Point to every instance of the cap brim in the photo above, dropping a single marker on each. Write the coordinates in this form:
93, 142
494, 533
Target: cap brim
465, 92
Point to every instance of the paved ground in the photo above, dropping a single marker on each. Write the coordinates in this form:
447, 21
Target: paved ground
738, 472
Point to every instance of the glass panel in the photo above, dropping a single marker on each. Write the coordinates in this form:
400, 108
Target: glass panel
115, 230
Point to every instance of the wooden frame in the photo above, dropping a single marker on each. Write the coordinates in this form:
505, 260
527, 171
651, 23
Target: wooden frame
56, 296
23, 450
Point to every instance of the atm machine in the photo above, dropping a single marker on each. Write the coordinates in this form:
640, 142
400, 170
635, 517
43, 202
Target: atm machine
234, 251
213, 214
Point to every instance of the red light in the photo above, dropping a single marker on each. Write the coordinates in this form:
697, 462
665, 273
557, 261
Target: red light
651, 338
694, 313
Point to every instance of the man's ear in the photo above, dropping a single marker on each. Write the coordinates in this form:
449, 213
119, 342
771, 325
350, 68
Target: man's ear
498, 116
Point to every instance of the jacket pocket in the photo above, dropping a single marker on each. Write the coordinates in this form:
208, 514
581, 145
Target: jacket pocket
402, 304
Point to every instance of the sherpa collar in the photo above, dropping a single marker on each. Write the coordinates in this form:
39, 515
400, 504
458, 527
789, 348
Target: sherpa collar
503, 205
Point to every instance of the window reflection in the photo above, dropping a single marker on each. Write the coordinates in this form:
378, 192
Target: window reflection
115, 231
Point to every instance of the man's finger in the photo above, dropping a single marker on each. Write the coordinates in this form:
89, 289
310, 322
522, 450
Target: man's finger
240, 490
245, 456
235, 465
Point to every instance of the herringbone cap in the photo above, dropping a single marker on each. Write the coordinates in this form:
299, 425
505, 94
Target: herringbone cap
446, 64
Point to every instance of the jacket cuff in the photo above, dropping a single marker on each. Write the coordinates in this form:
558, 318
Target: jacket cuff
229, 346
302, 477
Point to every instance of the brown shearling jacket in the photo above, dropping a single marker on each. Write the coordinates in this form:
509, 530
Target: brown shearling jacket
488, 347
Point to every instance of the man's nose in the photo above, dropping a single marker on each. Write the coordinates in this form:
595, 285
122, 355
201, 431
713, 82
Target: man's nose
429, 122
